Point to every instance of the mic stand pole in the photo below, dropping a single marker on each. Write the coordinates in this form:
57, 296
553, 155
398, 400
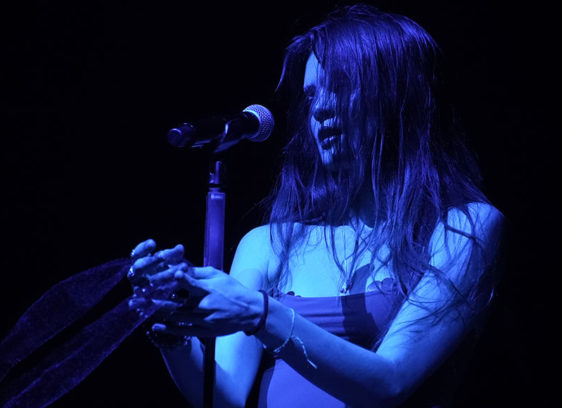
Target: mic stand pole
213, 256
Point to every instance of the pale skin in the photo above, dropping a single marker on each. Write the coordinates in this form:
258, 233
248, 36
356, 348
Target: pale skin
228, 304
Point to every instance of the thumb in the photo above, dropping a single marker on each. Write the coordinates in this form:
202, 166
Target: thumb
194, 286
203, 272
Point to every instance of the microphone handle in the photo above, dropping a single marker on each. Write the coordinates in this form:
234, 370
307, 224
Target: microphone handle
202, 133
240, 127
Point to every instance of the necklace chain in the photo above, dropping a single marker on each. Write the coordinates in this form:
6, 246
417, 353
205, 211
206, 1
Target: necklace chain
349, 273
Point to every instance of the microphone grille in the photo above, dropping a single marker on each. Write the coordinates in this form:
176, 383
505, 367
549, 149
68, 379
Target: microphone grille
265, 118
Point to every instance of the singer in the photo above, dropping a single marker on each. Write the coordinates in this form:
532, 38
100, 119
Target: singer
372, 277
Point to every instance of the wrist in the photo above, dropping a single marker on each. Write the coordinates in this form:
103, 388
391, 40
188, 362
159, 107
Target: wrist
281, 335
277, 327
261, 305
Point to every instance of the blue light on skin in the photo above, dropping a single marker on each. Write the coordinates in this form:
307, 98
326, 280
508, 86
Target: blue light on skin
324, 124
326, 129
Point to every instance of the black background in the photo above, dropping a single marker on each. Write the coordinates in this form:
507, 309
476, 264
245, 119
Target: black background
89, 89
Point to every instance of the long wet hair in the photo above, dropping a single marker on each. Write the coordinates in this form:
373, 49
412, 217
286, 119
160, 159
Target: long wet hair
404, 148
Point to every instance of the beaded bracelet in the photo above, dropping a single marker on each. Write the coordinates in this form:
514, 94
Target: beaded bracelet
263, 317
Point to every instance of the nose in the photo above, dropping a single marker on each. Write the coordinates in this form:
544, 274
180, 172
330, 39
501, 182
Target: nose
322, 113
323, 107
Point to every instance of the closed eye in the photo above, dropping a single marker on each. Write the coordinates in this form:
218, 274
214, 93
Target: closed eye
309, 92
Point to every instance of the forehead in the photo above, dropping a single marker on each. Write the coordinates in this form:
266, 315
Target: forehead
313, 72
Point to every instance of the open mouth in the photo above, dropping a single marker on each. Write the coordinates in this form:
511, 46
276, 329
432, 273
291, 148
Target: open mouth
327, 136
328, 143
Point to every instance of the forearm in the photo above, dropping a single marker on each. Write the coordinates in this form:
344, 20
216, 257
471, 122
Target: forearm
185, 365
232, 382
357, 376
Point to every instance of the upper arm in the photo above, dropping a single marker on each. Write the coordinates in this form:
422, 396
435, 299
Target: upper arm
464, 252
238, 355
253, 257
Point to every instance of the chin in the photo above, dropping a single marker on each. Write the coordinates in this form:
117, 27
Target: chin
332, 159
328, 161
334, 164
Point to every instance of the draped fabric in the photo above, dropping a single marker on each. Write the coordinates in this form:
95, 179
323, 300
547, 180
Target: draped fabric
69, 363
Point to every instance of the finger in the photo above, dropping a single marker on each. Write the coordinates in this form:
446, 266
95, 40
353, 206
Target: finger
142, 306
164, 310
160, 261
170, 291
139, 302
192, 330
161, 292
203, 272
194, 286
186, 310
148, 265
168, 307
173, 255
139, 305
143, 249
168, 275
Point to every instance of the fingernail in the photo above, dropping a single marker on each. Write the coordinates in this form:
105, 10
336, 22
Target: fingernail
158, 327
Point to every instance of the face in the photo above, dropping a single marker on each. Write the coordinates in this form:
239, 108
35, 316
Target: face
325, 127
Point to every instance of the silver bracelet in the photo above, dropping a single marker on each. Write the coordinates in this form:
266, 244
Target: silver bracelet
277, 351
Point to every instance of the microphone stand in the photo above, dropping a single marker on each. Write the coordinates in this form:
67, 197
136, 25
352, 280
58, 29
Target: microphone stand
255, 123
213, 256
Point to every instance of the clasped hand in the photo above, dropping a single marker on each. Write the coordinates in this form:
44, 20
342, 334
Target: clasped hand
191, 301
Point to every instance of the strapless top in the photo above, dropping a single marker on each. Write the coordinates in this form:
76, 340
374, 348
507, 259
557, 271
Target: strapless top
359, 318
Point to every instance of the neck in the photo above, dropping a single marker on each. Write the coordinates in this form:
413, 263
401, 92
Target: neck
364, 212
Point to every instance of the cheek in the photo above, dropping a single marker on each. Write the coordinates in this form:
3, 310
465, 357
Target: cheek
313, 126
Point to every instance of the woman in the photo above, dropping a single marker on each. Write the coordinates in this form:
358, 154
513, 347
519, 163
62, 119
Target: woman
380, 255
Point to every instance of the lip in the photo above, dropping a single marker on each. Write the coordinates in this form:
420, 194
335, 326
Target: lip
328, 142
326, 132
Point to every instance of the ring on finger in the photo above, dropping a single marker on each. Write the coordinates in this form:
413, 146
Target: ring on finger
179, 294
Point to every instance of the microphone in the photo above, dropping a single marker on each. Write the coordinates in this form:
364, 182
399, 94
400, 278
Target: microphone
255, 123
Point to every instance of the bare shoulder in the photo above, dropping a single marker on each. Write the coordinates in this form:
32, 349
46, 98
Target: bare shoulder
478, 219
256, 236
482, 222
468, 241
254, 257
